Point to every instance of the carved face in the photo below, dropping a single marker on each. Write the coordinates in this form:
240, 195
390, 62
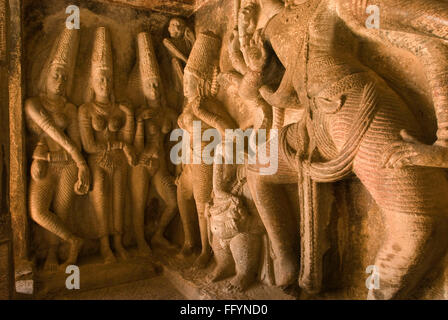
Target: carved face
57, 80
190, 85
176, 28
151, 88
102, 82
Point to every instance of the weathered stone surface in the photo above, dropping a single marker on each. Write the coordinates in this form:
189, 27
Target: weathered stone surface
176, 7
358, 183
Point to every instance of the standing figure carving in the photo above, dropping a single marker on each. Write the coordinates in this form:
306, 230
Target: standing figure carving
352, 117
195, 182
179, 46
235, 226
154, 121
107, 132
58, 169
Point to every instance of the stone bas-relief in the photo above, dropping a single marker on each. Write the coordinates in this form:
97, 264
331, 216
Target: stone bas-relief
58, 168
104, 193
154, 121
107, 130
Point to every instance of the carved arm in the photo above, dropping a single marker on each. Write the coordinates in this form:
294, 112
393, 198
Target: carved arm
173, 50
87, 137
44, 122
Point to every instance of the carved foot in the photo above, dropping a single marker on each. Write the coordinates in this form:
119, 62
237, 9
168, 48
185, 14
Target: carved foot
110, 259
122, 253
144, 250
187, 250
108, 255
161, 241
219, 274
203, 260
287, 272
75, 246
51, 263
240, 283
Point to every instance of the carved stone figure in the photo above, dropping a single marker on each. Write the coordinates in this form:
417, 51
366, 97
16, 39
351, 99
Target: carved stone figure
179, 46
154, 120
58, 169
195, 181
107, 134
235, 227
248, 62
351, 118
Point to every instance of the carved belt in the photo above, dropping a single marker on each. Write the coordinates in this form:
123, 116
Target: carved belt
60, 157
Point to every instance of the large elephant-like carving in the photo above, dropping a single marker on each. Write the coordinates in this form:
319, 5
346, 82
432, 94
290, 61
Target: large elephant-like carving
351, 118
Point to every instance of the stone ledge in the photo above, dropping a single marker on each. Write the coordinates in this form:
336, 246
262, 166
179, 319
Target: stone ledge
96, 275
190, 283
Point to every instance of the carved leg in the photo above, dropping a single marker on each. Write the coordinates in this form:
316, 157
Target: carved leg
412, 247
202, 189
166, 189
187, 209
101, 207
246, 252
225, 266
62, 203
40, 196
280, 223
140, 187
413, 200
118, 197
415, 210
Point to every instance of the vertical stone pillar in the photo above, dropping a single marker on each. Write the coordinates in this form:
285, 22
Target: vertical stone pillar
23, 273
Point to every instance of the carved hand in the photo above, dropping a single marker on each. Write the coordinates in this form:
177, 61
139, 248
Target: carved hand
411, 152
126, 109
234, 43
146, 114
83, 184
149, 161
39, 169
246, 15
255, 54
129, 152
189, 35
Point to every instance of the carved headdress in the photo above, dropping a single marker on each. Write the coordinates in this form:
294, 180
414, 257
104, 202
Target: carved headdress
63, 54
102, 50
149, 67
204, 56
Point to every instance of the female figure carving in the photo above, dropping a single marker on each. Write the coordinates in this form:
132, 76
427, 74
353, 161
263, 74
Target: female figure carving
107, 132
58, 170
154, 121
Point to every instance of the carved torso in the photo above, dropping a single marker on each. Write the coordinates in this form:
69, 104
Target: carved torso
106, 123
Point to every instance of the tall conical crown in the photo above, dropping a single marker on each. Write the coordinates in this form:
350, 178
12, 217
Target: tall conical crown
102, 50
204, 55
149, 67
63, 54
65, 49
